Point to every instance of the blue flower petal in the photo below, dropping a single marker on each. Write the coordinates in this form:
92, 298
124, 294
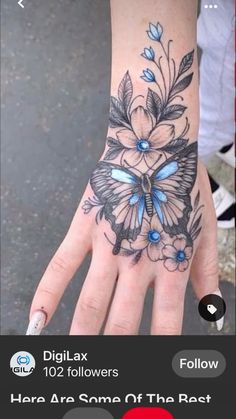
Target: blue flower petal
151, 36
145, 79
148, 75
154, 30
149, 54
152, 52
160, 30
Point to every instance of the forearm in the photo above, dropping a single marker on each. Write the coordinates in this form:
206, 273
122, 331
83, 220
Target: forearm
130, 23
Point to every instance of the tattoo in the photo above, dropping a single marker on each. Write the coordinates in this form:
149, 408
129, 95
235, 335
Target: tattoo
150, 211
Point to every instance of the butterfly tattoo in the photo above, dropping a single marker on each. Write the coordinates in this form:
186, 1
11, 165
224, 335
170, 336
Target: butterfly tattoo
127, 197
146, 194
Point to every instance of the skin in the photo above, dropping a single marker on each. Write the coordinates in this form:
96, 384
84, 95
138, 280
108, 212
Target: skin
113, 293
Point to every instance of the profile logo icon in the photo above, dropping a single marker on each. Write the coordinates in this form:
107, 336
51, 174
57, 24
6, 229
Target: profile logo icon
22, 364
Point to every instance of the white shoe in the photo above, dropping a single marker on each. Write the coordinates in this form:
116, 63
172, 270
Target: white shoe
224, 204
228, 157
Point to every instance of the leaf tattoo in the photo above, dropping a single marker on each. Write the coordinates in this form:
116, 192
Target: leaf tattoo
154, 104
175, 146
186, 63
181, 85
173, 112
196, 201
115, 148
125, 91
118, 116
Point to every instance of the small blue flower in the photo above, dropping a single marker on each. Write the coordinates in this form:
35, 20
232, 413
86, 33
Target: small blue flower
148, 76
180, 256
155, 32
149, 54
154, 236
143, 145
177, 256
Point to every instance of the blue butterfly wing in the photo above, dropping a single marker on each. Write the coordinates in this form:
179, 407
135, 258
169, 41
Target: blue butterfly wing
123, 176
167, 170
120, 192
172, 184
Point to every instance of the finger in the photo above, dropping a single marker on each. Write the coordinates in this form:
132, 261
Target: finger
96, 293
127, 307
204, 269
62, 267
168, 304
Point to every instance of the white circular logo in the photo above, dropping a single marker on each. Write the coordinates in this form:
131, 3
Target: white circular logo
22, 363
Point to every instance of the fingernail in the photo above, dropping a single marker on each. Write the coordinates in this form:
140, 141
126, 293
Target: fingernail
36, 323
220, 322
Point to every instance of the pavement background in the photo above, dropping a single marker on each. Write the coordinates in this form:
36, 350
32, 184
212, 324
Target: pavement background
55, 87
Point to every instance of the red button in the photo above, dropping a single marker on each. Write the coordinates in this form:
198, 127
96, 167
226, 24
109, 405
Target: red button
147, 413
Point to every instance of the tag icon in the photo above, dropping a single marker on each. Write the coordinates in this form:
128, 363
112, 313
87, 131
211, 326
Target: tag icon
211, 308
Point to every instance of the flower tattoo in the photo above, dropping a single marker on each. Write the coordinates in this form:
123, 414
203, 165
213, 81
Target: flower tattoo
143, 141
152, 238
177, 255
155, 32
149, 54
143, 185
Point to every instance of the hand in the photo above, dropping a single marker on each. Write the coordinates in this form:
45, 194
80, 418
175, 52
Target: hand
146, 215
115, 278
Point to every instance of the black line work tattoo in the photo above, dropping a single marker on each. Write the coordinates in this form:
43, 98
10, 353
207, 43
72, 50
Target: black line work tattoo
150, 210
